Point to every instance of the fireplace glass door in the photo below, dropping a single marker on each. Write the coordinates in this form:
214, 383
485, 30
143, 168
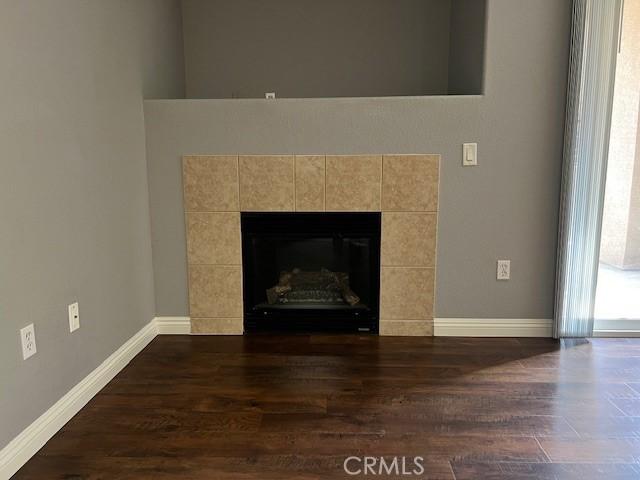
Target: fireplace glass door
311, 271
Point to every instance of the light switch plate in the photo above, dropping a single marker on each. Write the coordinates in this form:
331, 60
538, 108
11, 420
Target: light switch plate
28, 340
74, 317
469, 154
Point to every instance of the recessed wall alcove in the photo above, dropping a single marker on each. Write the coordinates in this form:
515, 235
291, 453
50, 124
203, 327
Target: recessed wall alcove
333, 48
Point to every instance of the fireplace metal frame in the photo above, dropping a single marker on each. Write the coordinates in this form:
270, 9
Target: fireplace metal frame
307, 319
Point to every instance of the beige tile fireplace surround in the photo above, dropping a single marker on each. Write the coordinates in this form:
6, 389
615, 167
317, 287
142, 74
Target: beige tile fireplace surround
403, 187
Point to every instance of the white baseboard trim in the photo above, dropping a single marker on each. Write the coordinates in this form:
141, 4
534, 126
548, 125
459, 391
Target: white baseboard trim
443, 327
33, 438
173, 325
492, 327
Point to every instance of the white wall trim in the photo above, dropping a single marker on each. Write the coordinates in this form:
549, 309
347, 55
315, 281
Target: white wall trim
173, 325
492, 327
32, 438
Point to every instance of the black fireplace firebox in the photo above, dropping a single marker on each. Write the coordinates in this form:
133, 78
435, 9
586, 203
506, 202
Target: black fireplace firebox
311, 272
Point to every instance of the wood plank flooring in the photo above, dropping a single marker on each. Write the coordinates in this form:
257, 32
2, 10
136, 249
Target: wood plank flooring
295, 407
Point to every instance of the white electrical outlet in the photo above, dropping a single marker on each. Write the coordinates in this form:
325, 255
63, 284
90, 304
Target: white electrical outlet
504, 270
28, 339
270, 95
74, 317
469, 154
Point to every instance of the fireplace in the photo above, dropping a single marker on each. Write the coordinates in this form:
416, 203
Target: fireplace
256, 260
311, 271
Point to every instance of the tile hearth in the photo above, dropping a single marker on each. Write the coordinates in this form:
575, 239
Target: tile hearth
403, 187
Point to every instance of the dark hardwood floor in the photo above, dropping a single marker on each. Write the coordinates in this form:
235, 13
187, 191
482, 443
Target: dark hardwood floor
295, 407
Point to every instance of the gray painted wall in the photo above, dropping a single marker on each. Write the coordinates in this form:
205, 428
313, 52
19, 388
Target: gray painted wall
311, 48
505, 208
73, 185
466, 47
